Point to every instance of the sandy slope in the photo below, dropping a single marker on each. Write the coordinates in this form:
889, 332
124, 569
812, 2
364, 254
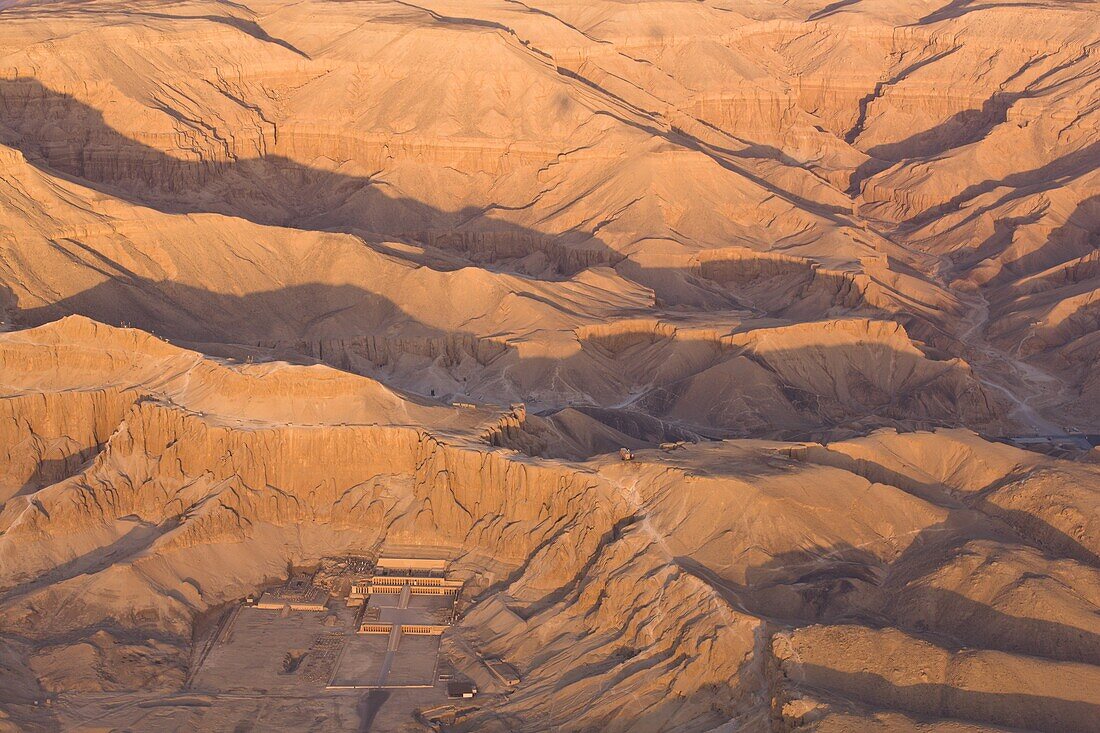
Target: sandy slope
251, 254
677, 146
163, 482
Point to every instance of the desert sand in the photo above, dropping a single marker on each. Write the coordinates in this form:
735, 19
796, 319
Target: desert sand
290, 287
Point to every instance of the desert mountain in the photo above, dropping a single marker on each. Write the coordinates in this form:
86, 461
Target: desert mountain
282, 282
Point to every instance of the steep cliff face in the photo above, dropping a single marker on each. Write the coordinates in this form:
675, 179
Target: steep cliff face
193, 481
216, 480
424, 268
49, 435
816, 169
171, 443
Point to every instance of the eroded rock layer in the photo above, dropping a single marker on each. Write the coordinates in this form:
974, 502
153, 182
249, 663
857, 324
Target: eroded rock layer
283, 280
188, 481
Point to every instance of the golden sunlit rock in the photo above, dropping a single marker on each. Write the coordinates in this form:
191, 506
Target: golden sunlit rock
580, 366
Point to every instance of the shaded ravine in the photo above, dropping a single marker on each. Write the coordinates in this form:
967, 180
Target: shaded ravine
987, 355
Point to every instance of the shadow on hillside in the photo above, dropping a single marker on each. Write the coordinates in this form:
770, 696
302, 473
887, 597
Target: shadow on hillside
1014, 710
970, 126
959, 8
1025, 183
52, 470
900, 582
244, 25
842, 583
337, 324
364, 332
946, 136
65, 136
136, 540
1077, 237
1019, 525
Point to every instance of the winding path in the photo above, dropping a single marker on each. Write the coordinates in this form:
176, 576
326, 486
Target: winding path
1034, 384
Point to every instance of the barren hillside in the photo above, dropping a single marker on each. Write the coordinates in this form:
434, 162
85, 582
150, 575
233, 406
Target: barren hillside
288, 282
